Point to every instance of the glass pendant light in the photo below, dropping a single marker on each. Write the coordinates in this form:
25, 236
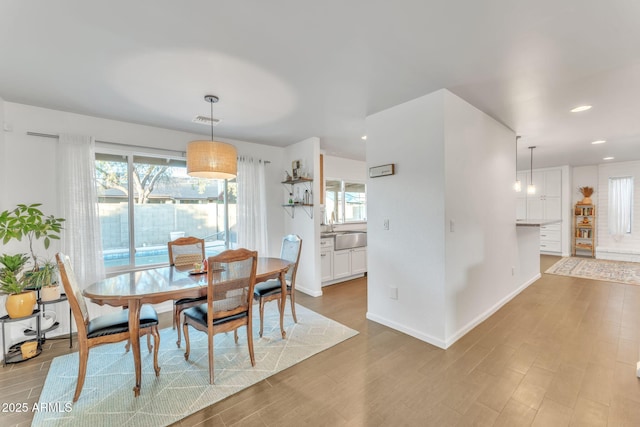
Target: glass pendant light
517, 185
531, 189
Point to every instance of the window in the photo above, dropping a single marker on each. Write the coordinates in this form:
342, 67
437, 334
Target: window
620, 205
345, 201
146, 201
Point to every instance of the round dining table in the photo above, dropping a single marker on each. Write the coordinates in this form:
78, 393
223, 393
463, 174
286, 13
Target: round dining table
156, 285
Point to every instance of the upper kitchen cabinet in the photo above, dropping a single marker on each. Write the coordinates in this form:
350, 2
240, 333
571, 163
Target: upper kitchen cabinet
550, 201
546, 203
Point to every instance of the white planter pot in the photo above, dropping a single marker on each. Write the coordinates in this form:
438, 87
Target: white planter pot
49, 293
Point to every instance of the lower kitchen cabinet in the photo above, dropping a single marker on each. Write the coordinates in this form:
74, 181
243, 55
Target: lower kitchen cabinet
344, 264
326, 266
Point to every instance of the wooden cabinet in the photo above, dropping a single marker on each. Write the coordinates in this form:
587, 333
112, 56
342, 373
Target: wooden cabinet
584, 230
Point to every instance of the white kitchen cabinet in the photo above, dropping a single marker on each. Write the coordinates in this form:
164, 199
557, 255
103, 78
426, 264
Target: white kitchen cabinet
338, 266
358, 260
341, 263
546, 203
326, 260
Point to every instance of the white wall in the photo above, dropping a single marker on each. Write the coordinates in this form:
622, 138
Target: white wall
410, 255
482, 248
453, 163
584, 176
308, 278
30, 171
347, 169
3, 157
628, 248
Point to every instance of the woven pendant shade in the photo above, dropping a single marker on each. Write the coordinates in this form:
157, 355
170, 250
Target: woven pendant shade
212, 160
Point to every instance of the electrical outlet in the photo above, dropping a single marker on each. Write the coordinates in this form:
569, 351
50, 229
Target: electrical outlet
386, 224
513, 271
393, 292
452, 226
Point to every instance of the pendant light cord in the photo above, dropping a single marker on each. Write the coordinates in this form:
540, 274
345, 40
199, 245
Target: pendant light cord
517, 138
211, 118
531, 165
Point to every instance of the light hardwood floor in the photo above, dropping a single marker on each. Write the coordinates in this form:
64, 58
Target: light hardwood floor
563, 352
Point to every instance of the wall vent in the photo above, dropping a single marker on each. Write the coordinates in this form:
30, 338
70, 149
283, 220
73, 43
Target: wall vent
204, 120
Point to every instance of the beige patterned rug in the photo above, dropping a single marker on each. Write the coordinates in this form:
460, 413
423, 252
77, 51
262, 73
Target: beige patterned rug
598, 269
183, 386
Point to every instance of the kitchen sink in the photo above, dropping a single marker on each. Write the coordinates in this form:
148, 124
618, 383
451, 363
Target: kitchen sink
350, 239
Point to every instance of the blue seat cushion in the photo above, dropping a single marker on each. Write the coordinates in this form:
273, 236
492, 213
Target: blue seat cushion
117, 322
199, 314
270, 287
189, 300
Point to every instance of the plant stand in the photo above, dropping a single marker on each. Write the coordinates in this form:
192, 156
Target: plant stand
14, 354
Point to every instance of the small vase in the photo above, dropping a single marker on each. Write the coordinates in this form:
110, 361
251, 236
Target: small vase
586, 201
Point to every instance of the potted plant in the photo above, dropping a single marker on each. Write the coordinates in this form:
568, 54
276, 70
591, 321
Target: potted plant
45, 279
30, 221
13, 282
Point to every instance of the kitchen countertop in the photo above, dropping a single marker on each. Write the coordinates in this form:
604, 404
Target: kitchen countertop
536, 222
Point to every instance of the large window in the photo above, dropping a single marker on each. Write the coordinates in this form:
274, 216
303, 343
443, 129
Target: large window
146, 201
620, 205
345, 201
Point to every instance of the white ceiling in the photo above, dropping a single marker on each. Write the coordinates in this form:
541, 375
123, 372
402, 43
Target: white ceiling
286, 70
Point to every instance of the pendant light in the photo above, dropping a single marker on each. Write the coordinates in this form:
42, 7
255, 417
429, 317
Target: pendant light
517, 185
531, 189
212, 159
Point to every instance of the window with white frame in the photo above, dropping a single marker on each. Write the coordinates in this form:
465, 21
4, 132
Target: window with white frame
146, 201
620, 205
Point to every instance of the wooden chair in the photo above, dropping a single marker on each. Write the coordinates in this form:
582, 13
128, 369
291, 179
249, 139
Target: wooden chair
271, 289
106, 329
230, 280
184, 252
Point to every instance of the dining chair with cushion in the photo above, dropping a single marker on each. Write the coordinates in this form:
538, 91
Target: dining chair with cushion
271, 289
184, 252
105, 329
229, 300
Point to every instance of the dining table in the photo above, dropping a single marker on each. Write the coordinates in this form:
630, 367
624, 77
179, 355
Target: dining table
156, 285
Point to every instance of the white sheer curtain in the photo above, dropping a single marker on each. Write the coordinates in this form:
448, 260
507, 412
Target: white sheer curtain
79, 206
620, 203
252, 205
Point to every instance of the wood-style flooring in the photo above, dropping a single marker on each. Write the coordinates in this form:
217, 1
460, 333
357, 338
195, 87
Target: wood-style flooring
563, 352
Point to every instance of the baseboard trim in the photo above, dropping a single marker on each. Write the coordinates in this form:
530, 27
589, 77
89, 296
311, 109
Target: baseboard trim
310, 292
484, 316
444, 344
404, 329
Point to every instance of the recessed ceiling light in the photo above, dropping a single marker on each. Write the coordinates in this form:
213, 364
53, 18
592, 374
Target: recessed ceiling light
581, 108
600, 141
364, 137
608, 158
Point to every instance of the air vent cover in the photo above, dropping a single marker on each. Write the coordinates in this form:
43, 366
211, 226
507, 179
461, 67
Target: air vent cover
204, 120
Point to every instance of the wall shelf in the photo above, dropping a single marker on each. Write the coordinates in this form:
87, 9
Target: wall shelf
290, 208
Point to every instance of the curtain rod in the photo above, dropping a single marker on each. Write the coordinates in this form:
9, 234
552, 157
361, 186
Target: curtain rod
49, 135
182, 153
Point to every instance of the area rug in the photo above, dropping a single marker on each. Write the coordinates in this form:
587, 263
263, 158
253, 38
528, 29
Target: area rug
598, 269
183, 386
